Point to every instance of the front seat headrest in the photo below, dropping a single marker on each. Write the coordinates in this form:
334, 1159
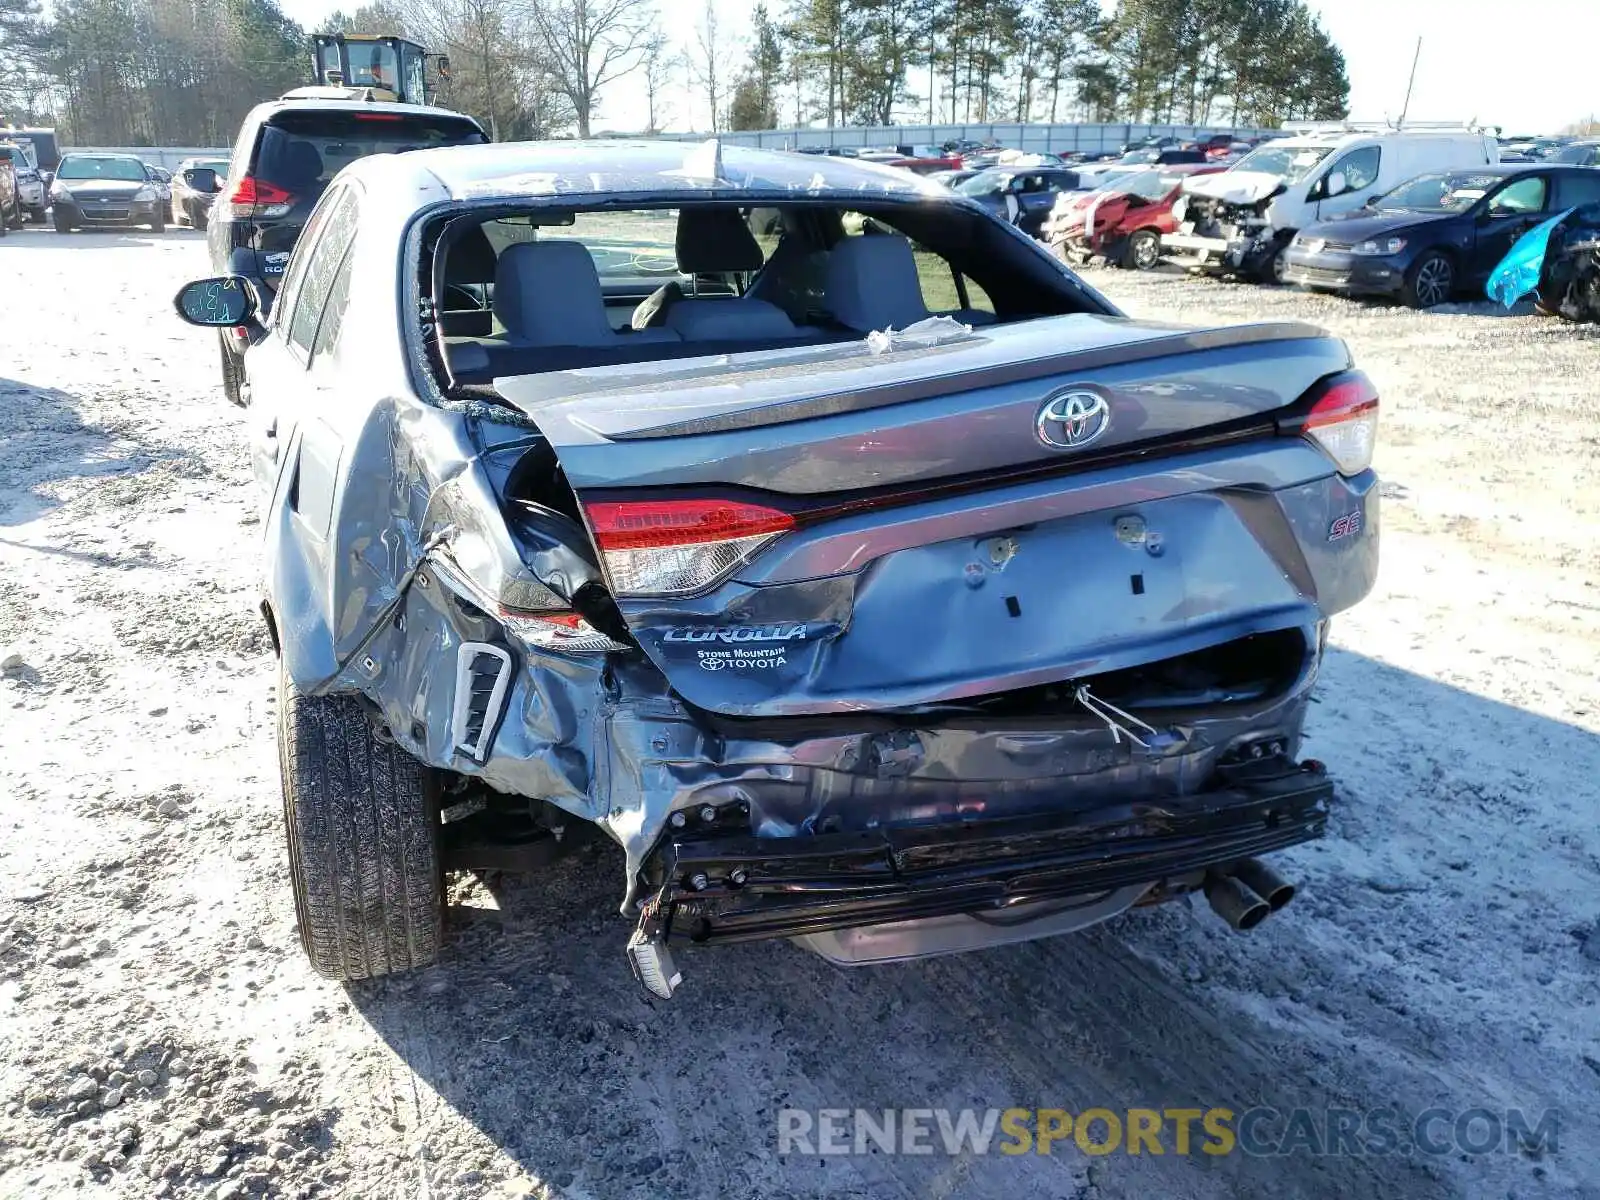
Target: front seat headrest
715, 240
470, 258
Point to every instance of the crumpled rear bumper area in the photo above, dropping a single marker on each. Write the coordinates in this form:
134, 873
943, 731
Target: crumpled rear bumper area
605, 738
726, 886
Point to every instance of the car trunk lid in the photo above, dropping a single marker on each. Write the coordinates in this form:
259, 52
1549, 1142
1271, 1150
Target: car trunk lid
828, 528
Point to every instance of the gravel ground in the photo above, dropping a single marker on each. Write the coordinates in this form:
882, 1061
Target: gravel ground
161, 1034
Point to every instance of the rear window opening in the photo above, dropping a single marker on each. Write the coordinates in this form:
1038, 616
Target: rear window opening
540, 289
300, 152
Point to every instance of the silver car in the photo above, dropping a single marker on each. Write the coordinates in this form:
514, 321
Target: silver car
195, 187
30, 184
870, 582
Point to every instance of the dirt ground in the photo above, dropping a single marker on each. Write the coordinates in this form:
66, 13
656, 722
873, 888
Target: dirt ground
161, 1034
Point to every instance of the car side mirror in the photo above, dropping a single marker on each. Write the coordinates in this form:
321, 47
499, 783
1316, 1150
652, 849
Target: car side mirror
202, 179
1337, 184
217, 303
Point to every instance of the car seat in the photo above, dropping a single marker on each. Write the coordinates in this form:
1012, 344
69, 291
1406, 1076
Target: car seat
871, 283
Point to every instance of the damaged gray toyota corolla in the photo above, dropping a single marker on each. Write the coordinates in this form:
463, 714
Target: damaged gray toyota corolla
802, 527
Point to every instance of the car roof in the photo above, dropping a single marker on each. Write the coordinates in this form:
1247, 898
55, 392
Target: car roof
1506, 170
66, 154
272, 108
605, 167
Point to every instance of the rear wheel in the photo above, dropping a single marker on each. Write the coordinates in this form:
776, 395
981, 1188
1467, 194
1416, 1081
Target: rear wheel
1143, 252
1431, 280
159, 225
197, 218
232, 372
361, 819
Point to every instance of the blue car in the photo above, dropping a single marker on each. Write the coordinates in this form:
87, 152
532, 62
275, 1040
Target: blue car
1436, 236
870, 581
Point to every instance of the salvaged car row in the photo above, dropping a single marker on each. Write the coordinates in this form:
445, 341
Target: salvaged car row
1422, 215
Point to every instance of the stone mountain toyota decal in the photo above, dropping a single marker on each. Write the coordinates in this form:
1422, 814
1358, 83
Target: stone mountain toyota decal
739, 647
1071, 420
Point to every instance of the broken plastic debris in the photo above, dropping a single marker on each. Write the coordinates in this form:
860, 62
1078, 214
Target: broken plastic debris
930, 331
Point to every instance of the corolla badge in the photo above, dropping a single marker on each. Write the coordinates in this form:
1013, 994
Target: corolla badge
1071, 420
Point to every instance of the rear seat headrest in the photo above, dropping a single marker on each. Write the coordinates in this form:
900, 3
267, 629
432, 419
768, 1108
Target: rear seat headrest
871, 283
714, 240
549, 293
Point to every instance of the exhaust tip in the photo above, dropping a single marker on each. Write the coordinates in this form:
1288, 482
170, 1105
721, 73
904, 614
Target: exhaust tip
1235, 903
1264, 882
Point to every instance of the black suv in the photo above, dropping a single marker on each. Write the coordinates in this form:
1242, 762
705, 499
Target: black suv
286, 153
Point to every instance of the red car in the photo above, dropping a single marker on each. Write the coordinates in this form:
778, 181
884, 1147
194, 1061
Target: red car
1123, 222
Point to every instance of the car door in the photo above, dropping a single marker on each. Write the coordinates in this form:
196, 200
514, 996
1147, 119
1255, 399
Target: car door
1503, 216
1039, 191
1358, 170
276, 366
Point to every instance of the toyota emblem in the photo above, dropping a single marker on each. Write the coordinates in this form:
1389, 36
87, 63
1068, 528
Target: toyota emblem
1071, 420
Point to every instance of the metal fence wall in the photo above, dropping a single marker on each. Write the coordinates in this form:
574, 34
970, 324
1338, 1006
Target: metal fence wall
1090, 139
157, 156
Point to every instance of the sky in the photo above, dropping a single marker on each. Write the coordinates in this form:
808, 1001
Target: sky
1526, 65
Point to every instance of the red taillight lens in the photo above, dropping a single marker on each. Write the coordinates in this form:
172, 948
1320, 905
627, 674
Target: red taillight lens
379, 117
630, 525
256, 198
673, 547
1343, 421
255, 191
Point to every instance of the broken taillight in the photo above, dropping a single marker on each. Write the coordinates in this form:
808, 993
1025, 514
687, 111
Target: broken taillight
675, 547
568, 633
254, 197
1343, 420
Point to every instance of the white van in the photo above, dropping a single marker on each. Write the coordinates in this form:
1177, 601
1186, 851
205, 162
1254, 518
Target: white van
1241, 220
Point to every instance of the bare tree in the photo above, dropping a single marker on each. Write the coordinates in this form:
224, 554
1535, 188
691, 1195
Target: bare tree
709, 45
658, 61
588, 44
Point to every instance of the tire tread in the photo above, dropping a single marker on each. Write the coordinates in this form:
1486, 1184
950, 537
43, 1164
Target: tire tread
363, 841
